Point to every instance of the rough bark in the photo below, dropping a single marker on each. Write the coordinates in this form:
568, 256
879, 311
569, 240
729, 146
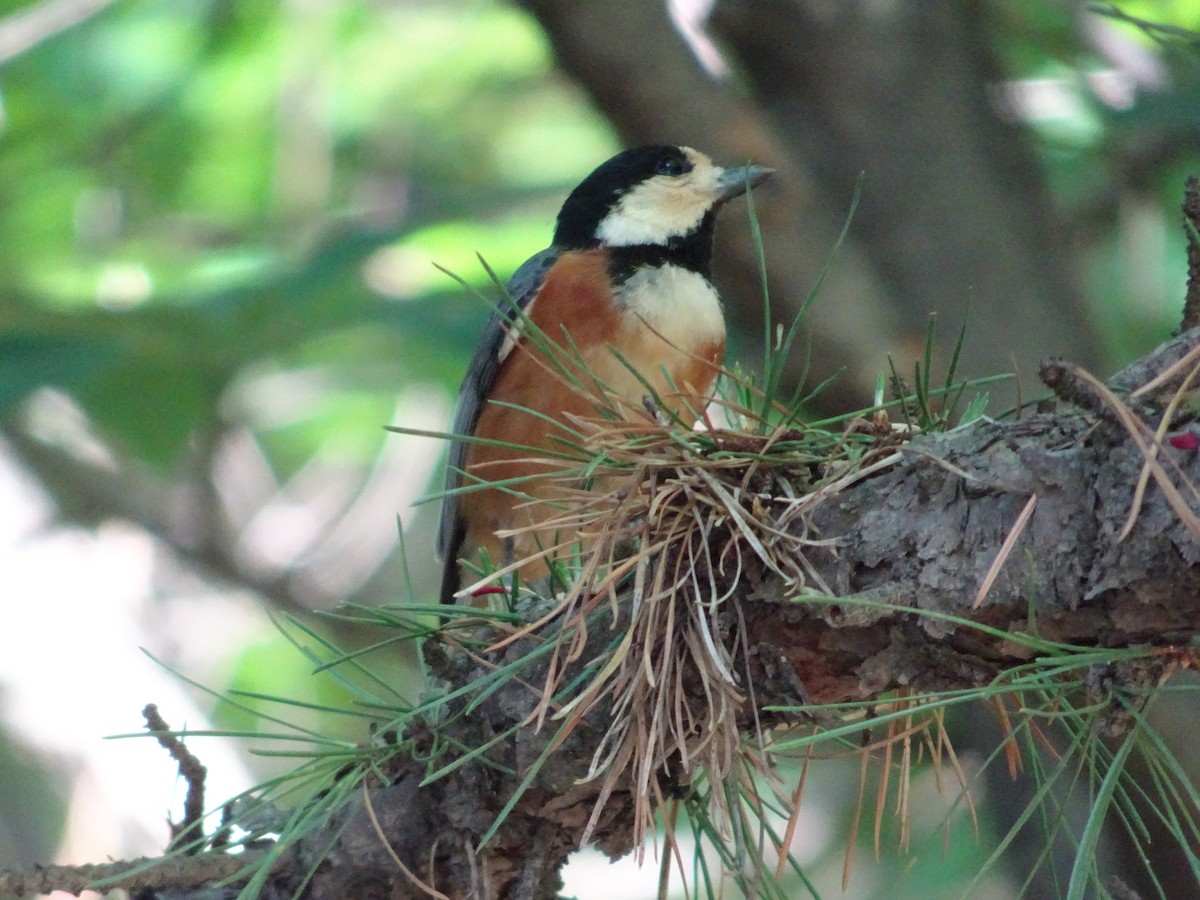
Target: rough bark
920, 536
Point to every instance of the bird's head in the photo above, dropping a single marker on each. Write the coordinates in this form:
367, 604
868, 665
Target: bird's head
649, 196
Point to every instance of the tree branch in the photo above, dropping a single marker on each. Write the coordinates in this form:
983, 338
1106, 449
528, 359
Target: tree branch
910, 549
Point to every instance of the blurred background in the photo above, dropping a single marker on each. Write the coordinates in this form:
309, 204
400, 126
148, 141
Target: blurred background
219, 224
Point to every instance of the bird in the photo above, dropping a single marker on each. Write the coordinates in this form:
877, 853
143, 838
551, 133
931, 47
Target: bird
625, 284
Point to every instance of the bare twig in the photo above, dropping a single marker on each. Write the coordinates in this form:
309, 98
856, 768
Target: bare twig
1063, 378
132, 875
193, 772
1191, 230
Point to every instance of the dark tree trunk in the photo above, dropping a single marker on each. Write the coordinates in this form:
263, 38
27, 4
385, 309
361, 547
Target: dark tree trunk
954, 208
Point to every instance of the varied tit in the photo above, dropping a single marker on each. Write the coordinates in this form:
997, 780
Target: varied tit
628, 273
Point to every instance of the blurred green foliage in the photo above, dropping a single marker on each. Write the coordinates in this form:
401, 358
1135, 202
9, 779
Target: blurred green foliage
1116, 166
192, 192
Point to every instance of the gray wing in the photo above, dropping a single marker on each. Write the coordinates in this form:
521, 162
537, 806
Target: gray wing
473, 393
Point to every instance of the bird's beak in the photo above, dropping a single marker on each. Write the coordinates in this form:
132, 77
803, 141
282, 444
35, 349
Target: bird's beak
733, 182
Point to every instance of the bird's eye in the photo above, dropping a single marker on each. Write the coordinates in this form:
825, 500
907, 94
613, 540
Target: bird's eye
670, 166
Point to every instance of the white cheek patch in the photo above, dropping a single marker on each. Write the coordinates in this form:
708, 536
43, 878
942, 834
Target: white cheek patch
643, 219
662, 207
